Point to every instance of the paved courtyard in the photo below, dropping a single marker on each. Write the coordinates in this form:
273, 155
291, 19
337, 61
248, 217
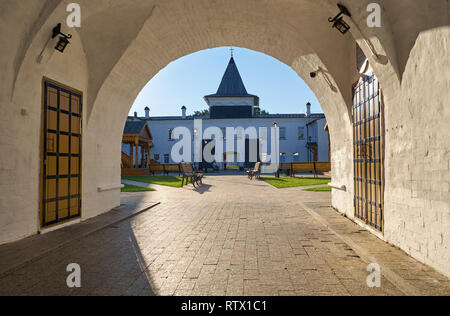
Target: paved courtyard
230, 237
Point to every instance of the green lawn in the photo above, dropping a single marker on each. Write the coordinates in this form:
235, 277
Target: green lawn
159, 180
319, 189
282, 183
132, 188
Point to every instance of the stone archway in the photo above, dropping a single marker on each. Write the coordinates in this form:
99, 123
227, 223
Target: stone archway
122, 44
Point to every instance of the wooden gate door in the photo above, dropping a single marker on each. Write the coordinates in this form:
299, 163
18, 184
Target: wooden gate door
61, 154
368, 135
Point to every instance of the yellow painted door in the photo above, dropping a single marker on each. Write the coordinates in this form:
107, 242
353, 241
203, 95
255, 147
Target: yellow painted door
61, 152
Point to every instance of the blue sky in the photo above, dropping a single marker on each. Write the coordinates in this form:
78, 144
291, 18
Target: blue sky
187, 80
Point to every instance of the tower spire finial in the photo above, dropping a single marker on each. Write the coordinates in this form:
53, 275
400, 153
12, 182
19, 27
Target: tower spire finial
232, 50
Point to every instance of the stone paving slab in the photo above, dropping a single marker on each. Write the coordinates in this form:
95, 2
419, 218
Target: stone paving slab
416, 278
19, 253
233, 236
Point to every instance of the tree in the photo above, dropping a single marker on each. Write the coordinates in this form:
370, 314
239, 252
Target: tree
258, 111
201, 113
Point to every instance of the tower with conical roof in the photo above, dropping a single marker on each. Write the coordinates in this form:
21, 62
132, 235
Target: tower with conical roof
232, 99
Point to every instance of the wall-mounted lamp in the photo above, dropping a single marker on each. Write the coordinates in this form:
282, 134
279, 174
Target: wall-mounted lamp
338, 20
325, 76
344, 27
63, 38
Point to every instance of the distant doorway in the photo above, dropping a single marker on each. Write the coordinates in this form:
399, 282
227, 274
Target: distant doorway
232, 162
313, 152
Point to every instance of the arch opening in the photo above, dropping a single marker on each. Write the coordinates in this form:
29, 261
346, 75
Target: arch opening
285, 98
111, 77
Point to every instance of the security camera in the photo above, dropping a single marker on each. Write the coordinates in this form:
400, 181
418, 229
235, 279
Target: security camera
327, 79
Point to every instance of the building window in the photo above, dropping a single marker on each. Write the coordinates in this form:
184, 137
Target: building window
296, 157
166, 158
282, 157
170, 134
283, 133
301, 133
156, 157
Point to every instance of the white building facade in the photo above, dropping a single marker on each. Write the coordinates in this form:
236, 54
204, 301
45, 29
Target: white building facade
302, 137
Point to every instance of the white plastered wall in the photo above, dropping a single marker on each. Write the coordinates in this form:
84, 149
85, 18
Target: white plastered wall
111, 67
20, 138
417, 197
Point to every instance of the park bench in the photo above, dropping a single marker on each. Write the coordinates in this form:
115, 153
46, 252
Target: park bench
174, 168
302, 167
255, 172
205, 166
313, 167
190, 175
165, 169
286, 167
156, 169
322, 167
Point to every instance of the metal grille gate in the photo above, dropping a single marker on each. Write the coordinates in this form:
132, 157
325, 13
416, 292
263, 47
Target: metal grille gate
368, 135
61, 163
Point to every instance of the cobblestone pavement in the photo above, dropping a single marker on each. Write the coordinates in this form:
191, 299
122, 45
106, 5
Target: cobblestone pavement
230, 237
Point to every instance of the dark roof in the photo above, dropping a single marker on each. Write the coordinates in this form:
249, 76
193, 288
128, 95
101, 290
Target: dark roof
268, 116
316, 116
134, 127
232, 84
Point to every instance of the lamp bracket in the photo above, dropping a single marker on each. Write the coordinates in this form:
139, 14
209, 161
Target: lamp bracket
57, 31
343, 11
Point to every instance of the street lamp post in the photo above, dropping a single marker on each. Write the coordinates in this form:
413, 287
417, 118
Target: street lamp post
195, 146
277, 154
